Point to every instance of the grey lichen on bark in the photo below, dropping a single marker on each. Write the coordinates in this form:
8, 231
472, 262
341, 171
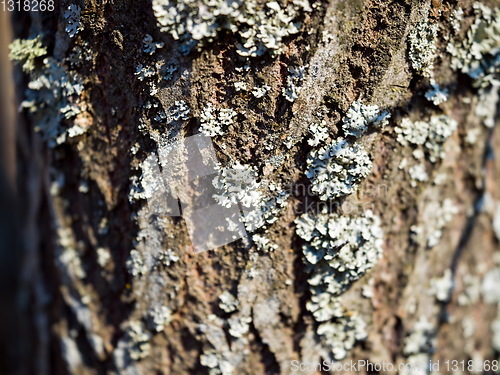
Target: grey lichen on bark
381, 265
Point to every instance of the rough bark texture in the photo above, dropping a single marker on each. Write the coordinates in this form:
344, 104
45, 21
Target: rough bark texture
78, 310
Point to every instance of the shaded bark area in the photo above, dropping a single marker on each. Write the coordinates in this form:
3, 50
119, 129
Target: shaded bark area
77, 202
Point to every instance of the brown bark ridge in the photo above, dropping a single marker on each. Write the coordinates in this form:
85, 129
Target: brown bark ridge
109, 287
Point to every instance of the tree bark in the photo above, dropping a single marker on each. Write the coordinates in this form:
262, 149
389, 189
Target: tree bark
87, 311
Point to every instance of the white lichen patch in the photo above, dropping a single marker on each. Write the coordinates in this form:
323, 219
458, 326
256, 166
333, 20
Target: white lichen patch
220, 357
73, 19
240, 86
414, 133
479, 52
158, 317
360, 117
421, 338
489, 287
341, 334
149, 46
495, 330
368, 289
418, 174
179, 111
496, 221
471, 290
294, 80
422, 47
228, 302
339, 250
342, 248
135, 264
263, 243
418, 347
437, 216
215, 364
260, 202
259, 92
239, 326
337, 169
472, 135
103, 256
237, 184
215, 122
441, 287
319, 133
167, 258
478, 56
430, 135
258, 28
138, 341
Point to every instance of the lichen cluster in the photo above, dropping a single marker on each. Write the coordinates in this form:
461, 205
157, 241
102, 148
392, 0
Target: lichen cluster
26, 52
260, 201
73, 19
422, 47
291, 90
438, 215
339, 250
258, 27
215, 122
51, 98
337, 169
360, 117
478, 56
428, 136
420, 344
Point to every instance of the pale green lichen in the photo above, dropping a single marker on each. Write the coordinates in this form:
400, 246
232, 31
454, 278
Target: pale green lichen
26, 51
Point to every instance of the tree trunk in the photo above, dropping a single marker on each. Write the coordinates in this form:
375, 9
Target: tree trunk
390, 260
